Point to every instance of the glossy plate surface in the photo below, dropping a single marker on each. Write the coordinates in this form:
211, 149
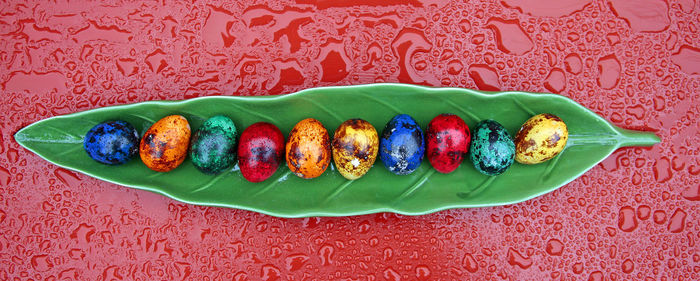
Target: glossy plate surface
592, 139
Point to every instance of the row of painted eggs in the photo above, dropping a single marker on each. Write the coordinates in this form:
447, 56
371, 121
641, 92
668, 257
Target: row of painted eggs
308, 151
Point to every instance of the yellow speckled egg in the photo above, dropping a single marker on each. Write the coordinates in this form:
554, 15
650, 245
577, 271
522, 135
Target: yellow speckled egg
355, 147
308, 150
541, 138
164, 146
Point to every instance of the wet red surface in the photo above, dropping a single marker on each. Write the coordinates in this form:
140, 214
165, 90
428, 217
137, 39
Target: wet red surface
634, 217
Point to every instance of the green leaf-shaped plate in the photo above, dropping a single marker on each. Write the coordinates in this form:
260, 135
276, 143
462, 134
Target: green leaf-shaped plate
592, 139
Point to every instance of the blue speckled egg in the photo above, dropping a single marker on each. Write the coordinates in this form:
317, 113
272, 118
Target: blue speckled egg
492, 149
112, 142
402, 146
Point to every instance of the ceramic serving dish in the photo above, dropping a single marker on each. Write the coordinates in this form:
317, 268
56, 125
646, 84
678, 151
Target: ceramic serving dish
591, 139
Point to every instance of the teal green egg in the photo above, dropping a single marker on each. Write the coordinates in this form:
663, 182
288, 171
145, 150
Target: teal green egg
492, 149
213, 146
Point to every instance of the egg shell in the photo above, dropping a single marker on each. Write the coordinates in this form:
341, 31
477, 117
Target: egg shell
112, 142
402, 146
164, 146
541, 138
260, 151
447, 142
308, 150
355, 147
492, 149
213, 145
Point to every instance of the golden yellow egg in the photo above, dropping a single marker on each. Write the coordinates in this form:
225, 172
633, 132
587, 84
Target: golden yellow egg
541, 138
355, 147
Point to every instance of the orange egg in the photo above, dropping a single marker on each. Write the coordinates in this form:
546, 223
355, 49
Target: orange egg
164, 146
308, 150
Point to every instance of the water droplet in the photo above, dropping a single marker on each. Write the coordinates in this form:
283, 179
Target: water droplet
643, 212
627, 266
662, 170
326, 254
687, 59
691, 193
422, 272
555, 81
454, 67
41, 263
642, 15
4, 177
510, 37
554, 247
485, 77
270, 273
469, 263
596, 276
687, 6
677, 221
70, 179
659, 217
613, 38
577, 268
626, 219
296, 261
608, 72
391, 275
83, 233
515, 258
637, 111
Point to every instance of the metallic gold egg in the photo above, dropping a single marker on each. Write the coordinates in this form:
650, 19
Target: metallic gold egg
355, 147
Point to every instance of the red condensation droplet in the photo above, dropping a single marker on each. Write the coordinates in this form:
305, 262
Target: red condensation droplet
296, 261
391, 275
642, 15
485, 77
270, 273
516, 259
609, 71
691, 193
555, 81
573, 63
596, 276
554, 247
687, 59
510, 37
677, 222
68, 178
662, 170
627, 266
545, 8
577, 268
41, 263
627, 221
469, 263
326, 254
422, 272
643, 212
659, 217
4, 176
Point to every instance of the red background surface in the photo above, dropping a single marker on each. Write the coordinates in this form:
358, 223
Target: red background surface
634, 217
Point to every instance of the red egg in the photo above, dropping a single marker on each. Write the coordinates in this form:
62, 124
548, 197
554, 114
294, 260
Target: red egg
447, 142
260, 151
